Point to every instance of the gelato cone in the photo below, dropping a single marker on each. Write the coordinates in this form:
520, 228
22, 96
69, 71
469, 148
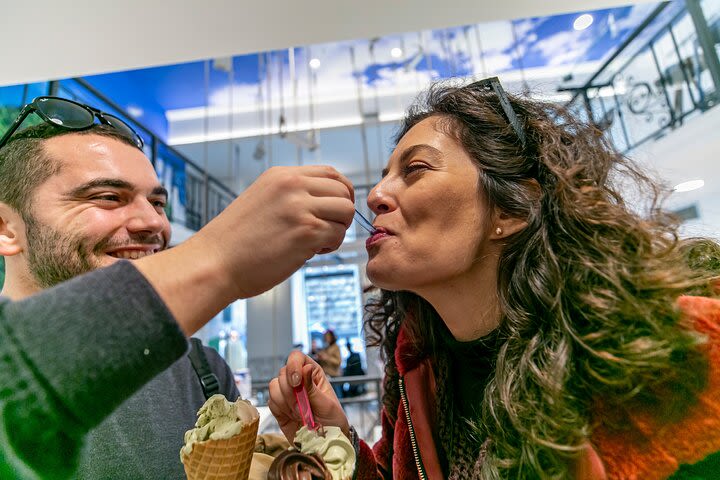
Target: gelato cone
221, 445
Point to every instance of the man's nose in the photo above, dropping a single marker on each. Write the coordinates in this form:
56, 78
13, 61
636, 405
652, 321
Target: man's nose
144, 216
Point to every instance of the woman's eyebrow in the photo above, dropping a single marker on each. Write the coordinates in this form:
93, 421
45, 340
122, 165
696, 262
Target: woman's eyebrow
414, 150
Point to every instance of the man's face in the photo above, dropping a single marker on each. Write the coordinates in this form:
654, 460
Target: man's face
106, 203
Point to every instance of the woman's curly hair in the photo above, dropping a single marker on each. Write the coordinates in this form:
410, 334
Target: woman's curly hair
586, 290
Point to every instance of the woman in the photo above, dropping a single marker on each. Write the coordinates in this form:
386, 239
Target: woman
329, 357
528, 317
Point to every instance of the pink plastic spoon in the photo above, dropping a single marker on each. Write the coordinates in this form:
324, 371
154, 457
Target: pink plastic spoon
303, 402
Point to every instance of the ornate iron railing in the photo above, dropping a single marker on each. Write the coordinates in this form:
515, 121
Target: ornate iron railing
665, 72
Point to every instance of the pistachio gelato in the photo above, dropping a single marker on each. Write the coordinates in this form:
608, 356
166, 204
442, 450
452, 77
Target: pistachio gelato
219, 419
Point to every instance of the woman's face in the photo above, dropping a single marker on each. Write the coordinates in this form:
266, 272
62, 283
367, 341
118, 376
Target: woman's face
433, 225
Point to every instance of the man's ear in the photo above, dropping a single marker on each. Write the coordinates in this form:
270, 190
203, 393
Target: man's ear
12, 231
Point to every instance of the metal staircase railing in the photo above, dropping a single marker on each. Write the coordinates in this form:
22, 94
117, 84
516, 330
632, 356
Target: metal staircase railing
666, 71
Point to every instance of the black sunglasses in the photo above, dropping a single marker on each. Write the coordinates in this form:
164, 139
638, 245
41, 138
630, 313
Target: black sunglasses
71, 115
493, 83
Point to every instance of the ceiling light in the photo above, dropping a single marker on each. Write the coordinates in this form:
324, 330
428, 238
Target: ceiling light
689, 186
315, 63
583, 21
396, 52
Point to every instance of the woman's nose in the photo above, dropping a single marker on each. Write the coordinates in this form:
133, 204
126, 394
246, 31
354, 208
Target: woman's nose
380, 200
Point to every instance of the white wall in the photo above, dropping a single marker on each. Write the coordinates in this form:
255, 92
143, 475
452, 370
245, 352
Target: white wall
269, 330
691, 152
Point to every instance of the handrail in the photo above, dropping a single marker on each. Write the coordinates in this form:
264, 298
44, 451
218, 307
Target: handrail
83, 83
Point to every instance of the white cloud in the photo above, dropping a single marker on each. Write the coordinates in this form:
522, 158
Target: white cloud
564, 47
525, 26
496, 36
637, 14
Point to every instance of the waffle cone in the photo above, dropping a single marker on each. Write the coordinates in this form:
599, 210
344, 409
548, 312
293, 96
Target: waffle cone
226, 459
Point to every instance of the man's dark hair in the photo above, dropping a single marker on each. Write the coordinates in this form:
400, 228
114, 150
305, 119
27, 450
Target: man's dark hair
24, 163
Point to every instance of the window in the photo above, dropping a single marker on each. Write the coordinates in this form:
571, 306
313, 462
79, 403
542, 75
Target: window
328, 297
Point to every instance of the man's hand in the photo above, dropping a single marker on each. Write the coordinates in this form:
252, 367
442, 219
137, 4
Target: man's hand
284, 218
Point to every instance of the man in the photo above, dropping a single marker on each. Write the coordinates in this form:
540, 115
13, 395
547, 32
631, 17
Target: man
73, 201
101, 203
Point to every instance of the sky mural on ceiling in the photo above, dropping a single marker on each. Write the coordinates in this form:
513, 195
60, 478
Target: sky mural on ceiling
401, 62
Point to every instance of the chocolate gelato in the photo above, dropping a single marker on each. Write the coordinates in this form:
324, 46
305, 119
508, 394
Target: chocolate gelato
295, 465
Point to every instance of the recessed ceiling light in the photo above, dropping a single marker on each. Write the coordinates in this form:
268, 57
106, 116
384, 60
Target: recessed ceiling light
583, 21
689, 186
315, 63
396, 52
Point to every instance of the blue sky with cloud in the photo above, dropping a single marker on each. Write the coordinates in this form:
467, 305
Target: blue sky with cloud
483, 49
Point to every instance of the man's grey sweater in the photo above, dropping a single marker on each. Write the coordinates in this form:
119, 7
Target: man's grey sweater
72, 354
142, 438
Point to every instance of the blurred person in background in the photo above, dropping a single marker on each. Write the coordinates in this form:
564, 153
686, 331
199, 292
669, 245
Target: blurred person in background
353, 368
314, 348
330, 359
329, 356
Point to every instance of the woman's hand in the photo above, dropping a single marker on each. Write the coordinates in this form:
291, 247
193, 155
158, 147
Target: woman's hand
325, 405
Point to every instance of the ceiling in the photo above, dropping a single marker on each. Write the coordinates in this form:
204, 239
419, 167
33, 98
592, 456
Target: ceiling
46, 39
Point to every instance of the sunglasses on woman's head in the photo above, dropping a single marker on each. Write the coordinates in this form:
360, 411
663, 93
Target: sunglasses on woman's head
70, 115
493, 83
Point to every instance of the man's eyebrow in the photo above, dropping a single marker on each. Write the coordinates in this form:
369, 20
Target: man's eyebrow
82, 190
415, 149
87, 187
160, 191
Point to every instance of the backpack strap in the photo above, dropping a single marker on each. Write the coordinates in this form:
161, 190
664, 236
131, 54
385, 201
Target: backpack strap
208, 380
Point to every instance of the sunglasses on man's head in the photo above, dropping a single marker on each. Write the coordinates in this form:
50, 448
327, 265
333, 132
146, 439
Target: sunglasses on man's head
493, 83
71, 115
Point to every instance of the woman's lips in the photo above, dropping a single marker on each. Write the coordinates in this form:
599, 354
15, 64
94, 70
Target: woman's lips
377, 235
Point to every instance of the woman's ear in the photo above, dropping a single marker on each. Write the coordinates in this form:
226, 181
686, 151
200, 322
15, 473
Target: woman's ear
12, 231
505, 226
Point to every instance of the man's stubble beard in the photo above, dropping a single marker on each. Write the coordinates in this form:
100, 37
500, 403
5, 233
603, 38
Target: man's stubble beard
54, 256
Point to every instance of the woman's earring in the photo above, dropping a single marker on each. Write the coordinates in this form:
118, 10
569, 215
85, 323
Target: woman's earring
498, 231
